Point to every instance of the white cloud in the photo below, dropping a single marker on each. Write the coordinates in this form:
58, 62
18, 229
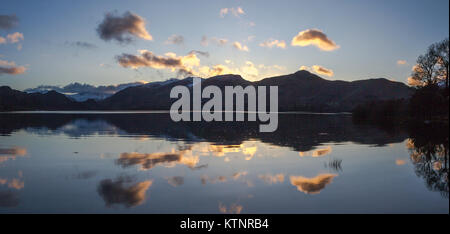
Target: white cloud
240, 46
234, 11
273, 43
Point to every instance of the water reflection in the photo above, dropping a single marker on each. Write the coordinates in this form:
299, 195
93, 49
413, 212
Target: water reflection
148, 161
317, 153
219, 167
15, 183
272, 179
123, 191
302, 133
428, 147
175, 181
11, 153
237, 176
84, 175
231, 209
312, 185
334, 164
9, 199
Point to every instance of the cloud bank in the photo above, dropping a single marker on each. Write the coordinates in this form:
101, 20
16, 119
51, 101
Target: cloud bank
182, 64
189, 65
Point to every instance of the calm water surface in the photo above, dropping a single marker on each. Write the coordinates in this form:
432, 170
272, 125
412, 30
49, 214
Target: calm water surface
145, 163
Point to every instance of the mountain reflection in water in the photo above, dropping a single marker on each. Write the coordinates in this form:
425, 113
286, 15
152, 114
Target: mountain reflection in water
145, 163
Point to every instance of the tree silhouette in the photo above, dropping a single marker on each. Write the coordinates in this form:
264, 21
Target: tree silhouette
431, 99
429, 152
432, 67
441, 51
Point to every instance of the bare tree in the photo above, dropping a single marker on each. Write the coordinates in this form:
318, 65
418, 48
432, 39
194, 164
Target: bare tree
442, 54
432, 67
424, 71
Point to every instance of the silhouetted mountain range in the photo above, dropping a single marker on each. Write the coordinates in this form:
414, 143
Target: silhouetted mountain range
82, 92
301, 91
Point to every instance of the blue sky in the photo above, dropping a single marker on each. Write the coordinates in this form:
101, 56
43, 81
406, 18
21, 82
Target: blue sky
370, 38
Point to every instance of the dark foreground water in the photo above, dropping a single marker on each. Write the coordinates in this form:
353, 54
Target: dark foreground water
145, 163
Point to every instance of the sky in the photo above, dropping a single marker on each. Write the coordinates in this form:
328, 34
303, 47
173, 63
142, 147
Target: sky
112, 42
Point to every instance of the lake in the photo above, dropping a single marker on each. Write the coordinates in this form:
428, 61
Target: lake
142, 162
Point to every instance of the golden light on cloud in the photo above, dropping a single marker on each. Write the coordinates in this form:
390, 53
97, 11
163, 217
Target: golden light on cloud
312, 185
304, 68
250, 70
181, 64
322, 70
9, 67
12, 38
7, 63
240, 46
316, 38
190, 64
402, 62
215, 70
318, 70
273, 43
12, 70
15, 37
